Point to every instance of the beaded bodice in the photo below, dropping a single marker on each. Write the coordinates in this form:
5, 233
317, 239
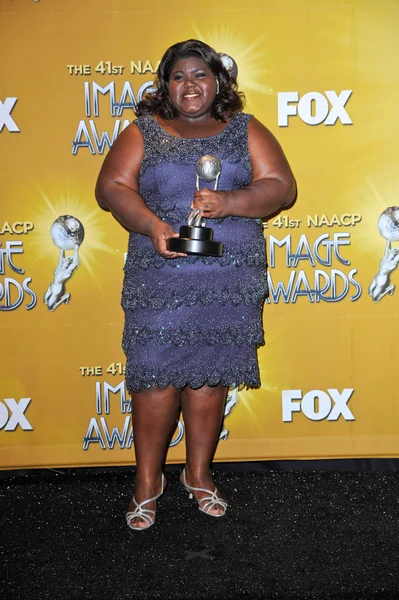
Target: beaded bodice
167, 184
160, 146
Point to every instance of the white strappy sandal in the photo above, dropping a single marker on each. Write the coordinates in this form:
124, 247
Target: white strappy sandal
207, 503
147, 515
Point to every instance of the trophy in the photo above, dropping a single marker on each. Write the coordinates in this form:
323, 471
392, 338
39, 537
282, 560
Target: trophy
195, 237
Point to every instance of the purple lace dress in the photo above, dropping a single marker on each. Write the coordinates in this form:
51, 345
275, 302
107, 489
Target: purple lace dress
194, 320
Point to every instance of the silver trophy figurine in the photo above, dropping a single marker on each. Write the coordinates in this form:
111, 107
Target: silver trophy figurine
67, 233
195, 237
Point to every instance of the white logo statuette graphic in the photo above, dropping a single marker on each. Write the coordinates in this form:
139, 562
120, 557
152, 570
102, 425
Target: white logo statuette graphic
388, 226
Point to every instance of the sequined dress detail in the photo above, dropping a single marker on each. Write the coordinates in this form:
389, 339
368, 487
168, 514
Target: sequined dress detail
194, 320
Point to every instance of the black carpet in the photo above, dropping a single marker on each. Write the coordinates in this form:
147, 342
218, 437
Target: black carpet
286, 535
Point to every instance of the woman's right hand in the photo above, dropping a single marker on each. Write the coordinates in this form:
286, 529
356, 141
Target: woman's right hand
159, 235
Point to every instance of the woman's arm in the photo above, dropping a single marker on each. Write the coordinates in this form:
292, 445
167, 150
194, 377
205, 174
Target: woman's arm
272, 188
117, 190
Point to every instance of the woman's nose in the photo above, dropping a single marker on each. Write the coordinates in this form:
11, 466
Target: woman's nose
189, 80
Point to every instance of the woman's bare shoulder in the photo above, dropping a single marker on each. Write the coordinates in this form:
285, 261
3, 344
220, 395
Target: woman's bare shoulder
257, 129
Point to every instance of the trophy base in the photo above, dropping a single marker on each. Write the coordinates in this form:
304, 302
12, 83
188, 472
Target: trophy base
195, 240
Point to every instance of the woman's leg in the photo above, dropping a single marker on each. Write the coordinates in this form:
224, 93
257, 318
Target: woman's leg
154, 414
203, 411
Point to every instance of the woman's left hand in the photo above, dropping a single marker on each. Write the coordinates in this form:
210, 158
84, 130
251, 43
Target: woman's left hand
212, 204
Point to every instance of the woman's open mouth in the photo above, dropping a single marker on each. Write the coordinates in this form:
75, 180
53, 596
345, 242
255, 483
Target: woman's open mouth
190, 96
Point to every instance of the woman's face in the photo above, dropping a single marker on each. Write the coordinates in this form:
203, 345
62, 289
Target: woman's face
192, 88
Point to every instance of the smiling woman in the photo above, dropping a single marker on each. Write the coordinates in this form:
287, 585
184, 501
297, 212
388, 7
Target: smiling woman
192, 323
175, 68
192, 91
192, 88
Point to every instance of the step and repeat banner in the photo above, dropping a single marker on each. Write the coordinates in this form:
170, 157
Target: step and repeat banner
322, 76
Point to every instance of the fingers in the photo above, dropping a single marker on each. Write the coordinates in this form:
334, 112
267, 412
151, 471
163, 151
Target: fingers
202, 204
209, 203
160, 237
207, 209
205, 194
163, 250
168, 254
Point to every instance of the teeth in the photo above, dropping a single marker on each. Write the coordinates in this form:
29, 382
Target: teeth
191, 95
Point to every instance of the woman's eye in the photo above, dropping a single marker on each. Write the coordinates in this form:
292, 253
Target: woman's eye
177, 77
200, 75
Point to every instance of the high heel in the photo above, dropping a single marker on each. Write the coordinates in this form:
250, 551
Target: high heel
147, 515
207, 503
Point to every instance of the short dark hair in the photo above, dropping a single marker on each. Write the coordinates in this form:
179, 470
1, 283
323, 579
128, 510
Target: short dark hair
228, 101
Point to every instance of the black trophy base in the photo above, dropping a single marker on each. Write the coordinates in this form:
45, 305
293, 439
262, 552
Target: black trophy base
195, 240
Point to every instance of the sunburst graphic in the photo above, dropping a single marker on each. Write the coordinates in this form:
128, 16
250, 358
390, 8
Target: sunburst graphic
95, 234
249, 56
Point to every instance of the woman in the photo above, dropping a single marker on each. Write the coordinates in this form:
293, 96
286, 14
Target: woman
192, 323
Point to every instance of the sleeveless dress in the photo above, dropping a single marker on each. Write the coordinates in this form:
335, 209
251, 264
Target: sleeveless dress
194, 320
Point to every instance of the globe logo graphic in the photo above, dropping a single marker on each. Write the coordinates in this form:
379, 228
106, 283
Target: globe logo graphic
67, 232
229, 64
388, 224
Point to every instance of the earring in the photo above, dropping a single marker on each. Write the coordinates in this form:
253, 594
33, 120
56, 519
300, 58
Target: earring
217, 87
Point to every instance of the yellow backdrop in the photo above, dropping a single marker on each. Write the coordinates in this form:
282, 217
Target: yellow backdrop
322, 76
